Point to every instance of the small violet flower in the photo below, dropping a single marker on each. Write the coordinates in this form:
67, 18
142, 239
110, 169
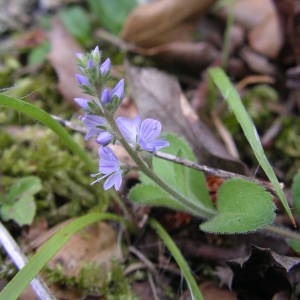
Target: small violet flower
118, 91
105, 67
143, 133
109, 167
82, 80
83, 103
93, 123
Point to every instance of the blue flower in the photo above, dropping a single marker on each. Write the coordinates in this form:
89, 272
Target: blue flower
109, 167
105, 67
82, 80
118, 92
143, 133
96, 127
83, 103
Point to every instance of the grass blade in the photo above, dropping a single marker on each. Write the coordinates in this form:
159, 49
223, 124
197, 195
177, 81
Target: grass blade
43, 117
19, 282
185, 269
230, 94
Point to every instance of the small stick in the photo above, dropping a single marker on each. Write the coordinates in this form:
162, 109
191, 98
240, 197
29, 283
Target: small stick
20, 260
209, 170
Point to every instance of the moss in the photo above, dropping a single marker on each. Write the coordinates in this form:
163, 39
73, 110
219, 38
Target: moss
66, 182
94, 280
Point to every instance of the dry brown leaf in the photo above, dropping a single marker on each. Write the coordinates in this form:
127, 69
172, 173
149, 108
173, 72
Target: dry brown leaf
249, 13
184, 56
163, 21
62, 58
95, 244
267, 38
158, 95
257, 62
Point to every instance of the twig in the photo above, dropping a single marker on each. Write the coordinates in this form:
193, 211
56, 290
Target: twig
209, 170
20, 260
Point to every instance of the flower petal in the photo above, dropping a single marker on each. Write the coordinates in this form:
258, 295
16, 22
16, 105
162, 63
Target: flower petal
154, 145
108, 162
91, 122
83, 103
106, 96
90, 63
118, 90
129, 128
149, 130
105, 67
83, 80
104, 138
115, 180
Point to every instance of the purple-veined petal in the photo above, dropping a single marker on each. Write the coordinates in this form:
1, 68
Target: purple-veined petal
106, 96
149, 130
108, 162
82, 79
91, 122
105, 67
115, 180
154, 145
104, 138
129, 128
118, 90
83, 103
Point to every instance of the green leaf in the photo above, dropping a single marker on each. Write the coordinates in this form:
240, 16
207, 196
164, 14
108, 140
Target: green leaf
242, 206
232, 97
296, 192
26, 186
189, 182
19, 282
38, 54
113, 13
22, 211
19, 203
77, 23
152, 195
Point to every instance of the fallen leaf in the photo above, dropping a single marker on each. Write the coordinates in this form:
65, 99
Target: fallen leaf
158, 95
257, 62
267, 37
248, 13
62, 57
95, 244
263, 273
163, 21
184, 56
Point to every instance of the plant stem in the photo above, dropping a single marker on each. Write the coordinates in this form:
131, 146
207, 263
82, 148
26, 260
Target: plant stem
226, 41
283, 232
195, 209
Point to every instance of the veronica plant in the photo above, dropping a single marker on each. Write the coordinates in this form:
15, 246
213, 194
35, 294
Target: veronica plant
136, 135
242, 206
